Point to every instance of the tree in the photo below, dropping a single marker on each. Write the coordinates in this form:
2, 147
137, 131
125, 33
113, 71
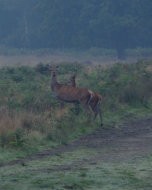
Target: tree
118, 24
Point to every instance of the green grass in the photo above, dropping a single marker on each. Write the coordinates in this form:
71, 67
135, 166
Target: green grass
128, 175
31, 120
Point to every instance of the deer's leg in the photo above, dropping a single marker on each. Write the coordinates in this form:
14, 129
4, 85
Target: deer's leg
95, 114
93, 105
77, 108
100, 114
97, 111
87, 110
85, 102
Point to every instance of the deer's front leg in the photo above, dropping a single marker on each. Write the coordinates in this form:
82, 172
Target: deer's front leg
98, 111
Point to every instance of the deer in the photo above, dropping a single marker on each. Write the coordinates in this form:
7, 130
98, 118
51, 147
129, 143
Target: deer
94, 103
70, 94
69, 82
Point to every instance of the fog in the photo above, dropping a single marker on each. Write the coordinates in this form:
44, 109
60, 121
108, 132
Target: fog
80, 25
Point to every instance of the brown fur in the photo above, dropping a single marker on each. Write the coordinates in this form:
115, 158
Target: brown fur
95, 100
95, 104
70, 94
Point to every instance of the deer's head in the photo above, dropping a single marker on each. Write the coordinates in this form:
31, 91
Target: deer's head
53, 69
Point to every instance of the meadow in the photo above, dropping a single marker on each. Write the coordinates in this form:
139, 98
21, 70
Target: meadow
32, 121
31, 118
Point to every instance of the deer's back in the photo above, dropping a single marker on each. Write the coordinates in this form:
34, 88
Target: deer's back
72, 94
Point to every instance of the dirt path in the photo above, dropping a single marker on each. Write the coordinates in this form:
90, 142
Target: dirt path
131, 140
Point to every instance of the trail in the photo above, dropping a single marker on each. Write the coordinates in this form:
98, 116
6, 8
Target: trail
131, 140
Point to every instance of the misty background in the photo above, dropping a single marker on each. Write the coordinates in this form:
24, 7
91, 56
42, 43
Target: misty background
79, 25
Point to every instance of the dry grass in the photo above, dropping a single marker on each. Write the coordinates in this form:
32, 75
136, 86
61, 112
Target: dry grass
17, 127
12, 120
9, 121
59, 113
34, 125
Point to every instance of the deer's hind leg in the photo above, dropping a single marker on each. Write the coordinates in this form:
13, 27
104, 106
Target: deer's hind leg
88, 112
77, 108
87, 109
99, 110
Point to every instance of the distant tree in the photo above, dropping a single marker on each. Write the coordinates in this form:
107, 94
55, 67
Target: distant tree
118, 24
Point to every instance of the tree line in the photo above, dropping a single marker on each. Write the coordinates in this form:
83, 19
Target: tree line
81, 24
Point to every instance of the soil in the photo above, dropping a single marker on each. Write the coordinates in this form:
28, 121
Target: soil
131, 140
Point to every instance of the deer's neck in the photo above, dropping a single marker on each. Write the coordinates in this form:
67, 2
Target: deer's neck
54, 83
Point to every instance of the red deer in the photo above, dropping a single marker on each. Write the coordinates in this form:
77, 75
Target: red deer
71, 82
67, 93
95, 102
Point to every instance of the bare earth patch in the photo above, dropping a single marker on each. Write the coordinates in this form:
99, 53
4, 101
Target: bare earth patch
132, 140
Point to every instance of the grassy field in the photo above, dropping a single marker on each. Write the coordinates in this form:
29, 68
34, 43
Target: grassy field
31, 121
31, 118
49, 173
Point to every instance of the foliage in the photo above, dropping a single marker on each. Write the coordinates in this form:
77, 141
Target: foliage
76, 24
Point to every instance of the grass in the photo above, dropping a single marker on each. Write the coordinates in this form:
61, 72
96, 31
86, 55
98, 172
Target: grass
31, 120
128, 175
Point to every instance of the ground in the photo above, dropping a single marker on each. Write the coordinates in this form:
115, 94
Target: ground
108, 158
